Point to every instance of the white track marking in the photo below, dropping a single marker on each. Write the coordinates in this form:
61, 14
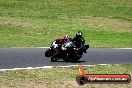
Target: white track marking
103, 64
48, 67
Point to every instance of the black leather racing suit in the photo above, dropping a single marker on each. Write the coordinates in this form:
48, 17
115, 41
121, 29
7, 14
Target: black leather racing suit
79, 43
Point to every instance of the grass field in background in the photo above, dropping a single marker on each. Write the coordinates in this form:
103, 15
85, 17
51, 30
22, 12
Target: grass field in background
35, 23
59, 77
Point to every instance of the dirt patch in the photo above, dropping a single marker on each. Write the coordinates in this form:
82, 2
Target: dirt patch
16, 22
106, 24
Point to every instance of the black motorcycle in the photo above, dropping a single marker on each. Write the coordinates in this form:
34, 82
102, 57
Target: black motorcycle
67, 52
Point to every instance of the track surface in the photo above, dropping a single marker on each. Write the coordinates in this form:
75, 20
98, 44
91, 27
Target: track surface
34, 57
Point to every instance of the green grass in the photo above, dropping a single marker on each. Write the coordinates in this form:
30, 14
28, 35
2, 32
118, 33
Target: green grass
32, 23
59, 77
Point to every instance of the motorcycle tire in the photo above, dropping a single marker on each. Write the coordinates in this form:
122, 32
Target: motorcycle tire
54, 57
53, 60
48, 53
66, 58
76, 58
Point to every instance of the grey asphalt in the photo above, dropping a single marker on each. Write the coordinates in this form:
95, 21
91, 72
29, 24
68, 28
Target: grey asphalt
34, 57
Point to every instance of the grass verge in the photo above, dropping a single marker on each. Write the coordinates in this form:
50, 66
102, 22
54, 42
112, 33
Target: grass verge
59, 77
35, 23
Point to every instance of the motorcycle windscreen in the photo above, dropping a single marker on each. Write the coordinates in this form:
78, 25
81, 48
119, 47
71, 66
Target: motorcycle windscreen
69, 44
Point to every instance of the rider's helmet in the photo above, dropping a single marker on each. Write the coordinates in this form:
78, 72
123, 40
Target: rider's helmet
79, 34
66, 37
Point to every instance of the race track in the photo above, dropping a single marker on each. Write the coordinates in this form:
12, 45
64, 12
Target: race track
34, 57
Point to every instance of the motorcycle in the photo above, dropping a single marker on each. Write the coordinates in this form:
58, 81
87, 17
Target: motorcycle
67, 52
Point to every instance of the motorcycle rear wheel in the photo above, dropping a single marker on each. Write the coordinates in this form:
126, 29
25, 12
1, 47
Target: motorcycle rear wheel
76, 58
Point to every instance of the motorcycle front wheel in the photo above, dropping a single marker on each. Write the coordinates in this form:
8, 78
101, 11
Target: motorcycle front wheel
55, 57
48, 53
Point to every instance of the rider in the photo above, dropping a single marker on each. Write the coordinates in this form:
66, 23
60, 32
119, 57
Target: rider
79, 41
60, 41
